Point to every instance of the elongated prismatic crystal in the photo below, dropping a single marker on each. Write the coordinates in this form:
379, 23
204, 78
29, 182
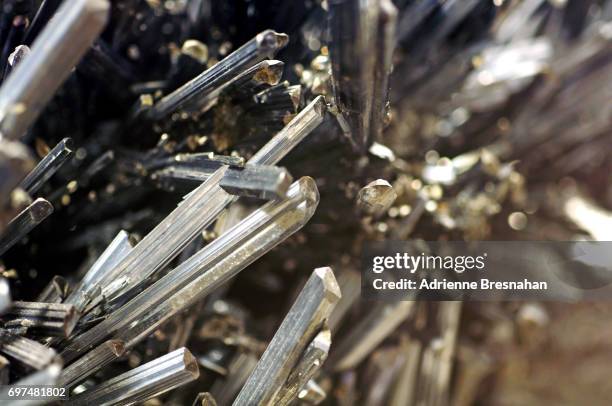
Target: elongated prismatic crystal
307, 315
147, 381
309, 364
47, 166
361, 31
371, 331
55, 291
26, 351
57, 319
96, 277
350, 286
54, 54
264, 45
239, 369
25, 221
437, 356
253, 79
91, 362
262, 181
171, 235
292, 134
207, 160
206, 270
181, 226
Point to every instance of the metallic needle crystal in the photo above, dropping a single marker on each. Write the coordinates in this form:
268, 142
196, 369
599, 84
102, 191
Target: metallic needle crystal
272, 152
309, 364
263, 74
144, 382
264, 45
406, 386
96, 276
215, 200
436, 366
382, 68
353, 27
91, 362
350, 286
500, 118
25, 221
26, 351
261, 181
310, 310
292, 134
55, 291
382, 320
225, 389
54, 54
206, 160
229, 254
255, 79
206, 270
47, 166
171, 235
55, 319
